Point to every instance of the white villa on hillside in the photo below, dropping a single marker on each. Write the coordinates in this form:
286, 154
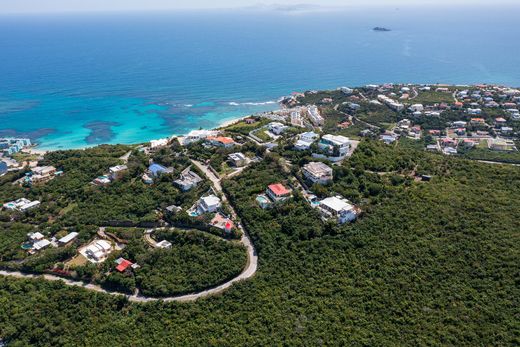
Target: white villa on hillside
335, 146
208, 204
338, 208
317, 172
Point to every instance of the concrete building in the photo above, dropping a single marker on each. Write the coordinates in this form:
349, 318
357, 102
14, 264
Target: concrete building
336, 146
315, 116
208, 204
237, 159
277, 192
187, 180
318, 172
338, 208
117, 172
277, 128
68, 238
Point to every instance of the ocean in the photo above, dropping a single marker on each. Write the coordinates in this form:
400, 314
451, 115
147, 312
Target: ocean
72, 81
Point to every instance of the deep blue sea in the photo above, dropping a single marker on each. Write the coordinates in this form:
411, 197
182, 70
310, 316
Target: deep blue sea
71, 81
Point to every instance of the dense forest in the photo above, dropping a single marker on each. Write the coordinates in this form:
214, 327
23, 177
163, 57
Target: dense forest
429, 263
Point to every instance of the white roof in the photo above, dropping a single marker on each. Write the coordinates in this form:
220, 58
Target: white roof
237, 156
164, 244
118, 168
211, 200
336, 139
41, 244
336, 204
36, 236
69, 237
158, 143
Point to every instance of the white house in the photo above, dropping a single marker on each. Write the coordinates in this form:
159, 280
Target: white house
208, 204
97, 251
306, 140
164, 244
277, 128
68, 238
336, 146
338, 208
187, 180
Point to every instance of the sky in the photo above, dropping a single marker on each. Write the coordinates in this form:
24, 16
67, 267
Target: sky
50, 6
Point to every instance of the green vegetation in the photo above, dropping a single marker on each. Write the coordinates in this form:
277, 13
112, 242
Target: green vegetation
433, 97
431, 258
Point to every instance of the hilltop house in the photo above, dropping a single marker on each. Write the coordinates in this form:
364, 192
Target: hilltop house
278, 192
156, 170
237, 159
318, 172
305, 141
338, 208
187, 180
208, 204
335, 146
117, 172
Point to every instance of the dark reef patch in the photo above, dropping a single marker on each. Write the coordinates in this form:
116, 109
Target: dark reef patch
33, 135
100, 131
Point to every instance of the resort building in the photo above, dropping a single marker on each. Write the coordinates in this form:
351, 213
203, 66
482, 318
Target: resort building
318, 172
278, 192
315, 116
396, 106
187, 180
10, 146
208, 204
297, 119
338, 208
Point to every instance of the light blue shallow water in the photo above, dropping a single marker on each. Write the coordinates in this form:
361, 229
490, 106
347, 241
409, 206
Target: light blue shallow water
74, 81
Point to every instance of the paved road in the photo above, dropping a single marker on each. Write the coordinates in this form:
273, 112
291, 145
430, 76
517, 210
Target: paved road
248, 272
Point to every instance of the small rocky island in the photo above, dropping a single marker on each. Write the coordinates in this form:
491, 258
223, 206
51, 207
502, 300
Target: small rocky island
381, 29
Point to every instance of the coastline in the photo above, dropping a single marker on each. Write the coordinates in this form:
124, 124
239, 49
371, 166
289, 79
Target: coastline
224, 124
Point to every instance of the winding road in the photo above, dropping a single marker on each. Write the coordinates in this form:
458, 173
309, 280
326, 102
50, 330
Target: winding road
248, 272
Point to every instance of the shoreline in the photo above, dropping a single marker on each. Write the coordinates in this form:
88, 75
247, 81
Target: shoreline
224, 124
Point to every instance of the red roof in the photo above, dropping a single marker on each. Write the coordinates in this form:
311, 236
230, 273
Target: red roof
222, 139
123, 265
278, 189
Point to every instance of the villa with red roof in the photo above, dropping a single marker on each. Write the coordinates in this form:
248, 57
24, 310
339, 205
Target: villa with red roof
278, 192
221, 141
123, 264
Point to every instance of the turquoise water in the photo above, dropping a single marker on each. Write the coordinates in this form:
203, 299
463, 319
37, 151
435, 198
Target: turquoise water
75, 81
